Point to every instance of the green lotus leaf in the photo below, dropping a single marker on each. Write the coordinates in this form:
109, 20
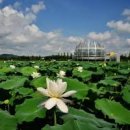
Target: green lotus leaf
126, 94
39, 82
27, 71
29, 110
119, 78
2, 74
81, 88
113, 110
75, 125
7, 121
109, 82
99, 91
85, 75
13, 83
24, 91
67, 126
81, 120
5, 69
124, 72
88, 118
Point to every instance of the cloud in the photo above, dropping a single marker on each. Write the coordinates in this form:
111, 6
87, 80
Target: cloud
17, 30
38, 7
126, 13
120, 31
117, 37
112, 41
74, 39
17, 5
128, 41
19, 35
99, 36
1, 1
119, 26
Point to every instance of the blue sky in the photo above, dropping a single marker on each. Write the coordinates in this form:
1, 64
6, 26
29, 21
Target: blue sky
78, 17
44, 27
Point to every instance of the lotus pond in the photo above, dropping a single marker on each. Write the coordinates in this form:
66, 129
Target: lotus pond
102, 100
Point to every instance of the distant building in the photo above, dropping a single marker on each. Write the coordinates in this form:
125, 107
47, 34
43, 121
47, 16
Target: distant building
89, 50
110, 56
118, 58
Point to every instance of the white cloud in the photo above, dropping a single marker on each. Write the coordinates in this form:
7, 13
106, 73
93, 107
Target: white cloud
1, 1
38, 7
99, 36
48, 47
119, 26
128, 40
112, 42
53, 35
8, 10
19, 34
115, 40
74, 39
119, 41
126, 12
116, 43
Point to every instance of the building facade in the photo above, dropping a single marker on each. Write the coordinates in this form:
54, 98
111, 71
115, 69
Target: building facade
89, 50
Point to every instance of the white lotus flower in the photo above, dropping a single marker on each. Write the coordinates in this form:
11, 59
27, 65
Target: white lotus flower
80, 69
36, 67
35, 74
55, 90
104, 64
33, 62
61, 74
12, 66
53, 60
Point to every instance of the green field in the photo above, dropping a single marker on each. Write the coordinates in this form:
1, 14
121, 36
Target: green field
102, 101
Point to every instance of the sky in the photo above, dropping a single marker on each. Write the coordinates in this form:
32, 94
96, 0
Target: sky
46, 27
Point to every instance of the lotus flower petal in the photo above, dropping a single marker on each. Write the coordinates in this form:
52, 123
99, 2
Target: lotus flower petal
43, 91
67, 101
47, 82
50, 103
61, 86
69, 93
53, 89
35, 74
62, 106
61, 74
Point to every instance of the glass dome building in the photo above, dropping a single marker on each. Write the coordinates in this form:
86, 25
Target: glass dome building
89, 50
